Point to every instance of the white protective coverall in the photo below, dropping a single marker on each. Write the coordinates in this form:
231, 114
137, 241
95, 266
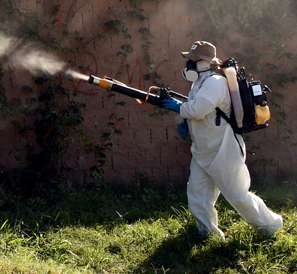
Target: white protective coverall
217, 164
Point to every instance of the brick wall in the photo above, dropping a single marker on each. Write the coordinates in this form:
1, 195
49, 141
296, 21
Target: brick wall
148, 144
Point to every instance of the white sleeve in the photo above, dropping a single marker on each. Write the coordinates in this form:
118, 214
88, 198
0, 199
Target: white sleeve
210, 95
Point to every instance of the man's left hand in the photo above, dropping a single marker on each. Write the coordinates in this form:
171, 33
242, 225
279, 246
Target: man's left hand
172, 104
183, 129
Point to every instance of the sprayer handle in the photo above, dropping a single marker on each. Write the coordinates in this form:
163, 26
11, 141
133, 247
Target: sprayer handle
267, 88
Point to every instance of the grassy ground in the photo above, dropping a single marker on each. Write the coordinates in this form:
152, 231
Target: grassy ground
139, 230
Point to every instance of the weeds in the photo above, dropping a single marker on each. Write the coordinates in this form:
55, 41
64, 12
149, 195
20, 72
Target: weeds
137, 229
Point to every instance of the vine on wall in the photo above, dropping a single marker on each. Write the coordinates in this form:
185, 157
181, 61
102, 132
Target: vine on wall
59, 115
60, 112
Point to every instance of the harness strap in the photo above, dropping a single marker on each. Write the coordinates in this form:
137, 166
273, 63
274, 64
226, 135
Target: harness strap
220, 114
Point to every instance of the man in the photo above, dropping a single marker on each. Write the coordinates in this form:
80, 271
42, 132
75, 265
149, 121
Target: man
218, 155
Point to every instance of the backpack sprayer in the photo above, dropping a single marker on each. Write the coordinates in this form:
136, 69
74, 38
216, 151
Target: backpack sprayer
146, 97
250, 111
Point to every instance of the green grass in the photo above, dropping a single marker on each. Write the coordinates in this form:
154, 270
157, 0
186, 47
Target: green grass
139, 230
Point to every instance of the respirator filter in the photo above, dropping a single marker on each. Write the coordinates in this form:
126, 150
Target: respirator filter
191, 72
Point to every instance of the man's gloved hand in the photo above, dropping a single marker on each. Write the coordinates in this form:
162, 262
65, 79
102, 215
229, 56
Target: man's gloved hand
183, 129
172, 104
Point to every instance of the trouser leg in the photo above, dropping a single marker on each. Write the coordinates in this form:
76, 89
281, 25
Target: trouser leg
234, 186
202, 196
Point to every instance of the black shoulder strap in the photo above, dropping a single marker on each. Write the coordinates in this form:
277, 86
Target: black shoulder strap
220, 114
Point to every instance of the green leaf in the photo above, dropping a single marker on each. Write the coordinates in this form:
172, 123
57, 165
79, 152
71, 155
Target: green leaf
86, 140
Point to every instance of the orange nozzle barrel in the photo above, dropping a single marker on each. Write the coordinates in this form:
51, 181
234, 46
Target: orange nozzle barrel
123, 89
104, 83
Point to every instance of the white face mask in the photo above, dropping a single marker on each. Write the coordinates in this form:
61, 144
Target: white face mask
193, 69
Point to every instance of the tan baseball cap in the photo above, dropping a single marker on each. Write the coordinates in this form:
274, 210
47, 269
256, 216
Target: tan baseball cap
202, 50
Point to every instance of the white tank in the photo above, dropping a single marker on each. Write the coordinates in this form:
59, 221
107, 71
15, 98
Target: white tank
230, 73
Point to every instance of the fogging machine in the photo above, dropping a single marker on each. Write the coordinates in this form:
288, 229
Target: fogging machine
145, 97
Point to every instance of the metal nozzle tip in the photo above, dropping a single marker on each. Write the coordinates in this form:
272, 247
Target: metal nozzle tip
91, 79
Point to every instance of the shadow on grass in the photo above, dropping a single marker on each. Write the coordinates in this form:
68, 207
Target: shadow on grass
190, 253
185, 253
104, 206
